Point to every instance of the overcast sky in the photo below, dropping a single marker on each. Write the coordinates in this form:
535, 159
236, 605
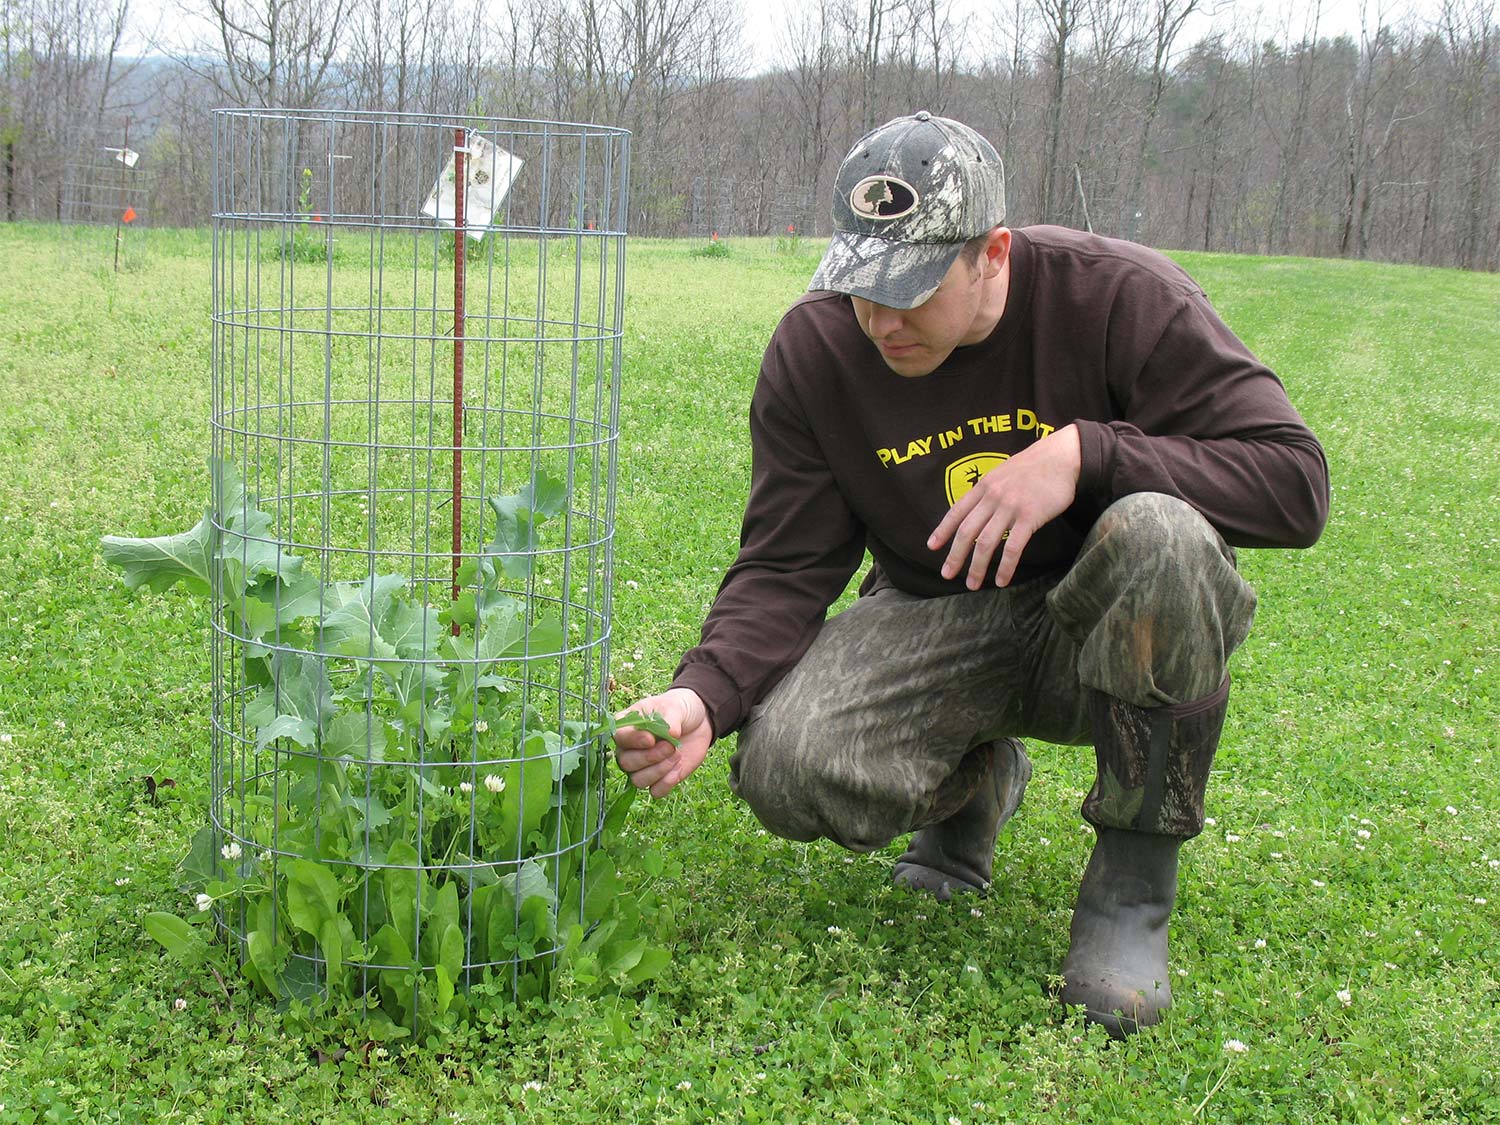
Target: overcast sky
764, 18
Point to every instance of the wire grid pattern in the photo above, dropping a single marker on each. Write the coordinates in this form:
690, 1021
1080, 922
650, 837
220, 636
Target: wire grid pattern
340, 372
103, 179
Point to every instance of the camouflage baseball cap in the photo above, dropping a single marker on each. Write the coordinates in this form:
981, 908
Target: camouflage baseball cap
907, 197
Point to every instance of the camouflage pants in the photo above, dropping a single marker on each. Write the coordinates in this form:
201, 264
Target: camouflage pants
855, 743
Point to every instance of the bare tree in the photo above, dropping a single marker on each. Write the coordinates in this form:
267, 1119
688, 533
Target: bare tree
1166, 20
268, 52
1059, 18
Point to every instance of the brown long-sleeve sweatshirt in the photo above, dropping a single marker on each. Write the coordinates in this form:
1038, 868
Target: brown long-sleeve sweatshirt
847, 454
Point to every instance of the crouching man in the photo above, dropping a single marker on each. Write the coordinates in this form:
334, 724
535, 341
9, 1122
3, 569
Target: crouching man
1051, 446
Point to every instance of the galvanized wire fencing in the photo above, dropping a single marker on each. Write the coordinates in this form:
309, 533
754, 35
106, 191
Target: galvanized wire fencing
417, 327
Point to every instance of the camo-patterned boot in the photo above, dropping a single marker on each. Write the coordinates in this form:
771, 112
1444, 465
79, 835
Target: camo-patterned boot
955, 852
1148, 799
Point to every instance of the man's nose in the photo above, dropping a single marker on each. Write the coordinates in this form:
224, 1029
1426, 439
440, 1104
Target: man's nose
884, 321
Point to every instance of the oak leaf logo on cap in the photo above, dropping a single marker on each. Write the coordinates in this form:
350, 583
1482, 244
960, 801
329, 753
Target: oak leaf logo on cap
883, 198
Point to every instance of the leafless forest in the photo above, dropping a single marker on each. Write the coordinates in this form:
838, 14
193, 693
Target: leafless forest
1263, 139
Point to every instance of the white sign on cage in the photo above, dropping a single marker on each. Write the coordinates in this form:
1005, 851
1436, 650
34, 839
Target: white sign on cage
488, 173
126, 156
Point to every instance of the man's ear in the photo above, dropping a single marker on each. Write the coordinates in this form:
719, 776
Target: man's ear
996, 251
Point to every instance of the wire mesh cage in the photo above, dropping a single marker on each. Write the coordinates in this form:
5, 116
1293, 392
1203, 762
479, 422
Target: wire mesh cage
417, 329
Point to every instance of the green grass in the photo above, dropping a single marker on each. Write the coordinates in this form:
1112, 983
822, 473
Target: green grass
804, 988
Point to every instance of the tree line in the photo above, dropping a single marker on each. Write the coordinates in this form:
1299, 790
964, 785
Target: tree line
1260, 138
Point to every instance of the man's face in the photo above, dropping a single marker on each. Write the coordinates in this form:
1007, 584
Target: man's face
913, 342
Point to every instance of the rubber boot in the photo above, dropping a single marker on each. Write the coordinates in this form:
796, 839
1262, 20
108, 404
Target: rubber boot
1148, 798
956, 852
1116, 967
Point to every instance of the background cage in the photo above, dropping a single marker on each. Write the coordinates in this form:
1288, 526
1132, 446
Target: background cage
413, 439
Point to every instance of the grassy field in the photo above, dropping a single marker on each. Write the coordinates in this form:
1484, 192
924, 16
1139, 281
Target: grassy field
1340, 917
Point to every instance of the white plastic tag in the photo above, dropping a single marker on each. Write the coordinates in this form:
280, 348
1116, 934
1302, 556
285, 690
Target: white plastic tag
488, 173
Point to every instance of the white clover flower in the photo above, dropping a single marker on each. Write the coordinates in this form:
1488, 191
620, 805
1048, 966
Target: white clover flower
889, 922
954, 1121
684, 1085
465, 788
122, 881
971, 968
1210, 821
975, 912
1481, 902
1044, 841
1363, 833
1260, 943
204, 902
834, 930
1319, 883
1345, 997
5, 738
1495, 864
180, 1004
534, 1086
760, 1076
1451, 811
231, 851
494, 783
1234, 1047
481, 726
632, 584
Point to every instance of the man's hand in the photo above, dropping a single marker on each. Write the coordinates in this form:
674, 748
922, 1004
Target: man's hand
655, 764
1008, 505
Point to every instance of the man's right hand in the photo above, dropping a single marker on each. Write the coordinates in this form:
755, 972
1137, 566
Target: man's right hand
655, 764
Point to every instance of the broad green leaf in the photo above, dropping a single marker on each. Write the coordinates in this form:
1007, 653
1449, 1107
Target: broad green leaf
444, 912
543, 639
451, 950
355, 736
312, 895
159, 562
623, 955
391, 948
617, 813
402, 882
176, 936
602, 886
263, 955
351, 628
331, 942
304, 732
653, 961
373, 814
299, 689
529, 881
545, 496
514, 543
201, 863
444, 982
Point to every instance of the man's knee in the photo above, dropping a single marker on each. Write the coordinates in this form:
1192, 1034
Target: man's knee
1154, 602
804, 787
1144, 527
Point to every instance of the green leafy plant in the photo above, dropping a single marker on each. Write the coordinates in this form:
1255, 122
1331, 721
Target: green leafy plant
428, 820
303, 247
790, 243
714, 248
